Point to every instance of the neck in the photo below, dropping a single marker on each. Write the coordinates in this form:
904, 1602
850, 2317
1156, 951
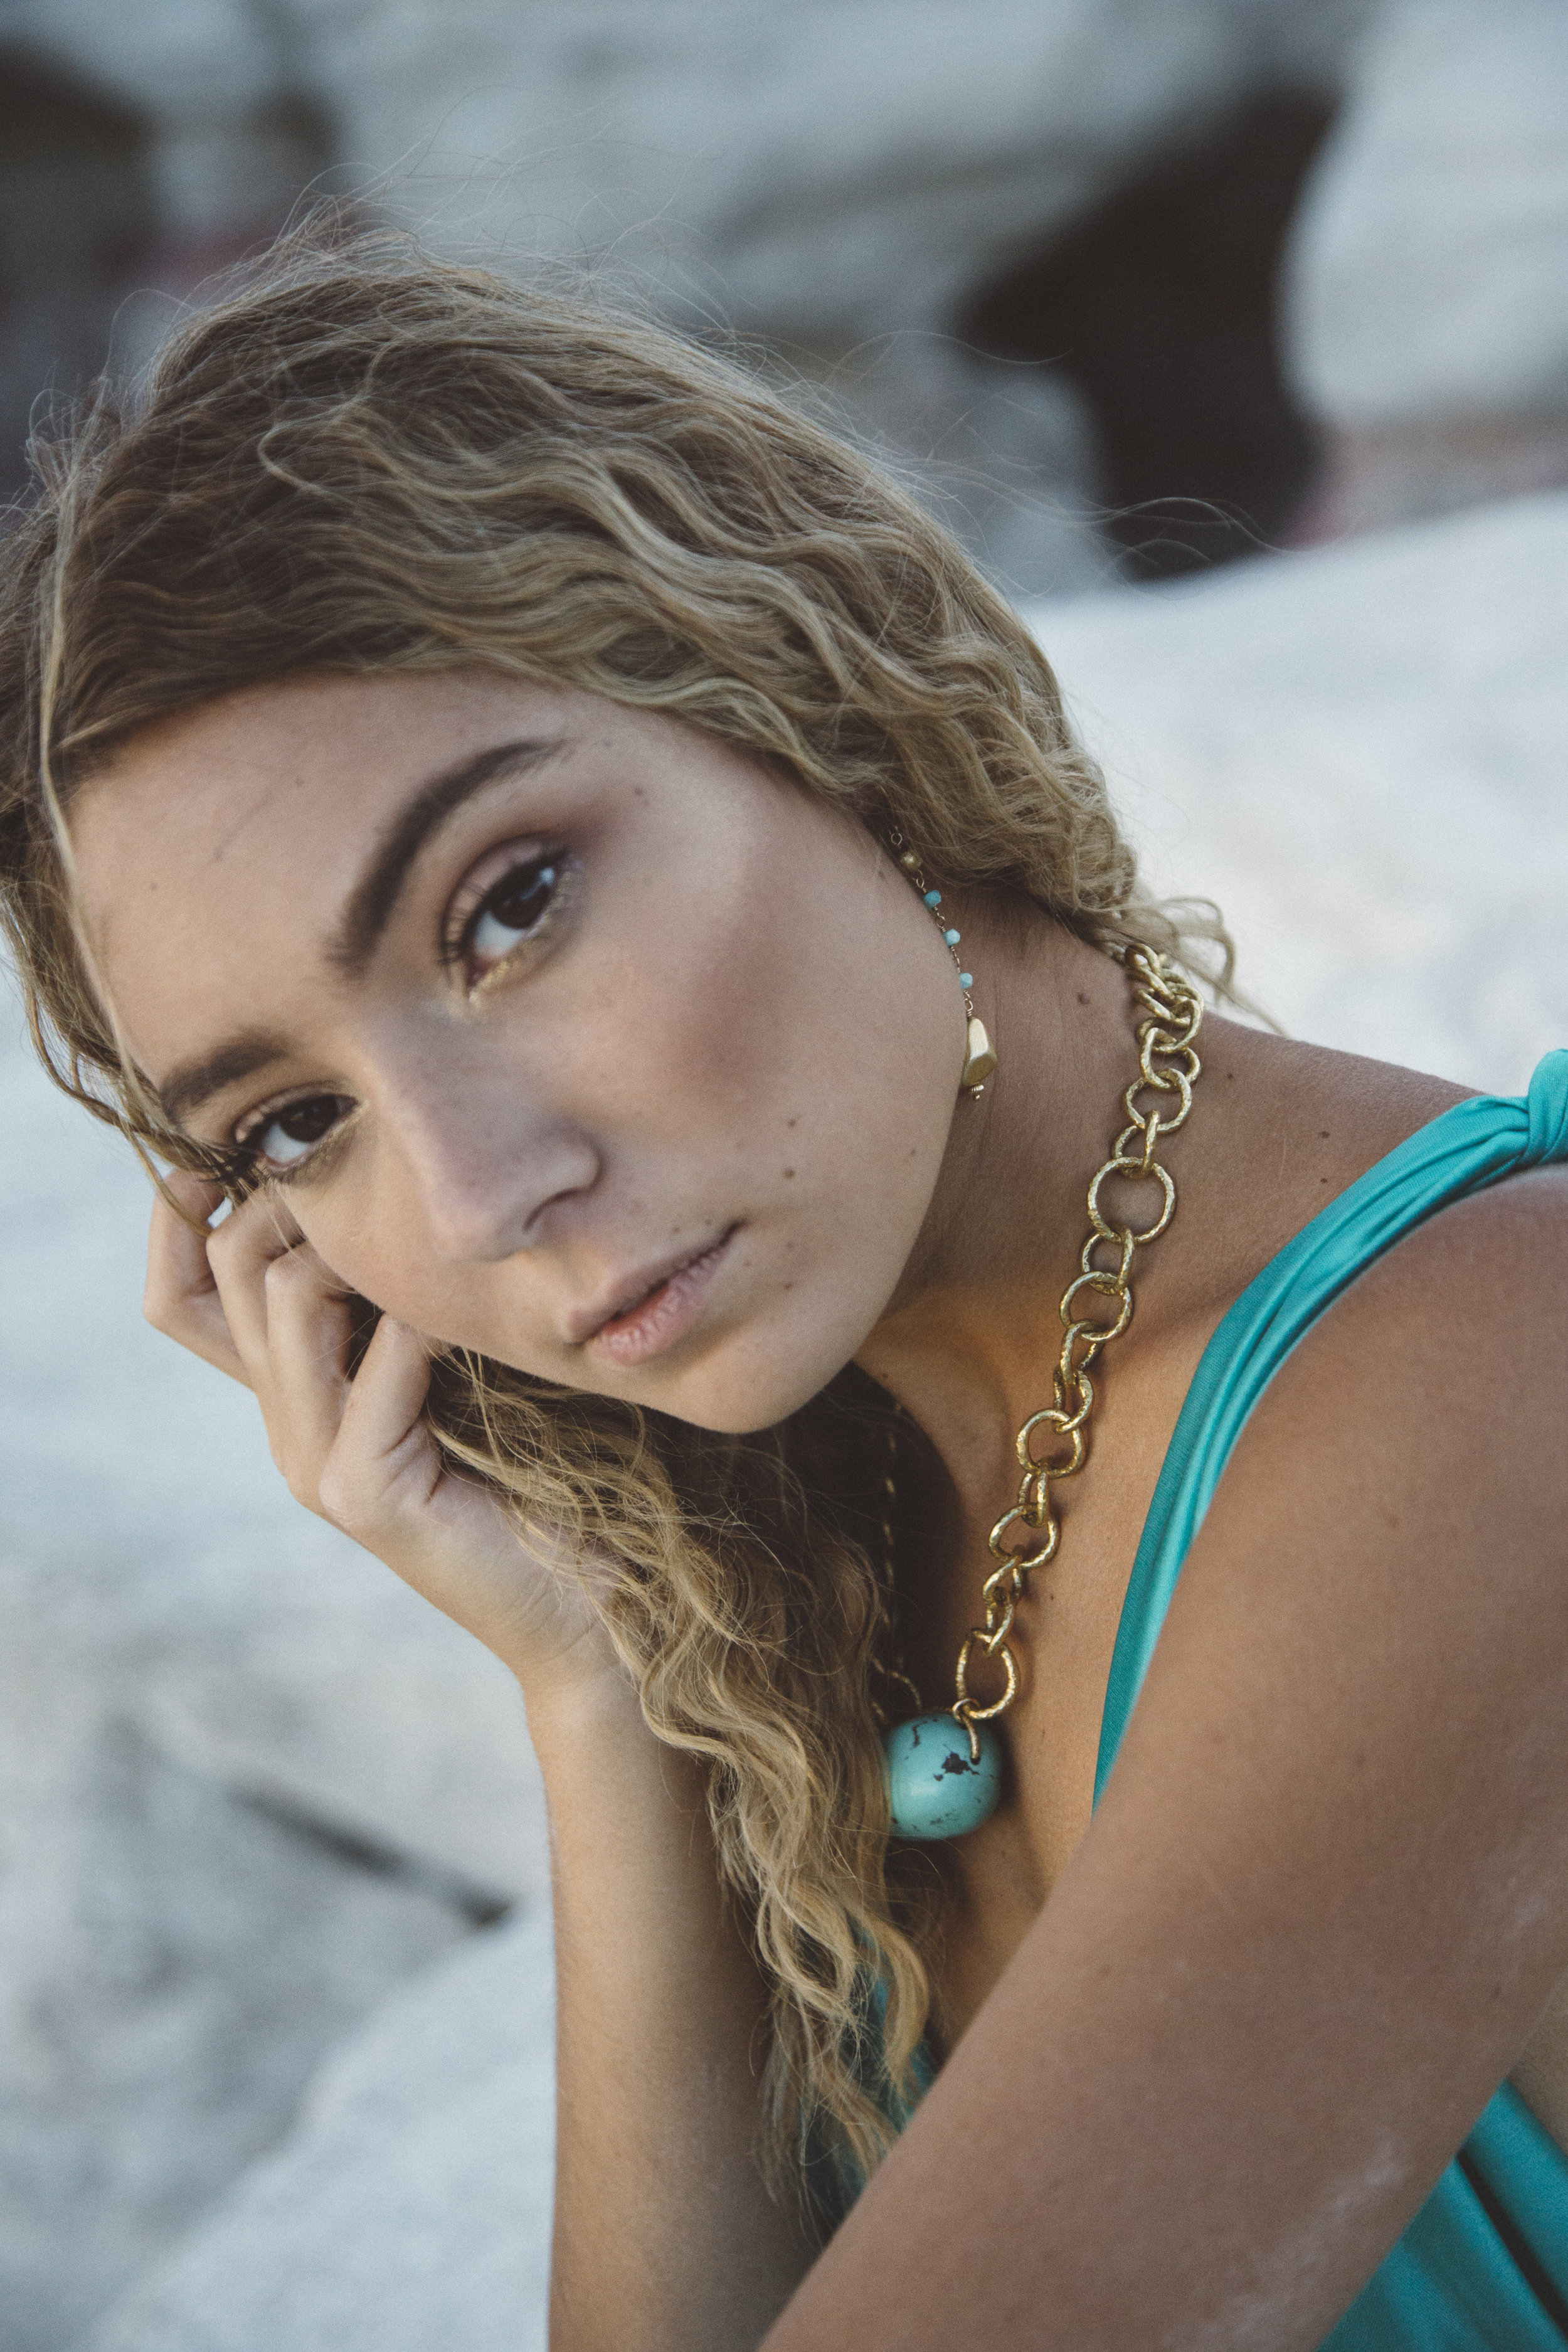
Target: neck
968, 1341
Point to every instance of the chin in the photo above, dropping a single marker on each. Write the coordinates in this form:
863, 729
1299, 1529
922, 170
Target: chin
756, 1380
727, 1418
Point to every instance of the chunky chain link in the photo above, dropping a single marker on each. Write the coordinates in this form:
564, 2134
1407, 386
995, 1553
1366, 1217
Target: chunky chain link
1026, 1536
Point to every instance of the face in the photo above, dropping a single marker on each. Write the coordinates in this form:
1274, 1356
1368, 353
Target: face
563, 1033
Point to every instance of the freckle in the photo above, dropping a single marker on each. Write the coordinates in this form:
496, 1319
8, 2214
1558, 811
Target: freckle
789, 1172
1323, 1134
789, 1286
792, 1122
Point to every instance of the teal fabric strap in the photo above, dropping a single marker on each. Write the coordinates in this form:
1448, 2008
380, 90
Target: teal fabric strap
1472, 1145
1484, 2265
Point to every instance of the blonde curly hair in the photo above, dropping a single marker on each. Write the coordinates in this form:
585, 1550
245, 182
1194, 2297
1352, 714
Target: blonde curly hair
362, 460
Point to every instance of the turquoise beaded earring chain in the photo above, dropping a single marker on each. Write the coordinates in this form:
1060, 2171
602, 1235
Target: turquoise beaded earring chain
980, 1054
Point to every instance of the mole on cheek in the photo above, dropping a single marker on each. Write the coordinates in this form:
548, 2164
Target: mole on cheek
789, 1172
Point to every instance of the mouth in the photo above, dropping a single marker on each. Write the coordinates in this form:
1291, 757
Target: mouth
654, 1308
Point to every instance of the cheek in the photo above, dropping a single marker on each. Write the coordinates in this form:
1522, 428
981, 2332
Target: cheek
809, 1074
368, 1225
810, 1039
460, 1305
704, 1028
369, 1253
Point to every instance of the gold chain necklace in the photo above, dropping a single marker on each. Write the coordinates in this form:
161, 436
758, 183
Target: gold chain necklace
944, 1772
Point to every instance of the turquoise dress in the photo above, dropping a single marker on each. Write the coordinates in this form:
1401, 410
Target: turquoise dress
1484, 2265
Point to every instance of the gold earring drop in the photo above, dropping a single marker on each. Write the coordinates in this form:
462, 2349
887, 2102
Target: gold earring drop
979, 1060
980, 1054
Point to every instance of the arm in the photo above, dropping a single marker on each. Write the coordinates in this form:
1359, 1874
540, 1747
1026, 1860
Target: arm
1326, 1896
664, 2234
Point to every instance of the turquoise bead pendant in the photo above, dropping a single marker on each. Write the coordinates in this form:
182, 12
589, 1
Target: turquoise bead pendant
936, 1787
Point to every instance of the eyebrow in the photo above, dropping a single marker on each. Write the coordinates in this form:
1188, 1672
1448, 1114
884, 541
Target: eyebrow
366, 914
193, 1083
374, 896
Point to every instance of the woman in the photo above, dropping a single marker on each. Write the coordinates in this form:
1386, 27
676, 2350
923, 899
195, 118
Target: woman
580, 861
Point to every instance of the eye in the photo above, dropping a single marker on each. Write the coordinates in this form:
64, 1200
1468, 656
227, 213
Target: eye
280, 1139
512, 911
492, 919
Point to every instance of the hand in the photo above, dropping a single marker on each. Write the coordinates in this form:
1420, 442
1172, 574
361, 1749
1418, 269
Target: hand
252, 1298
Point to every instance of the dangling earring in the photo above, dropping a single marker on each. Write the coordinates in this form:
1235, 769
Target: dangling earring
980, 1059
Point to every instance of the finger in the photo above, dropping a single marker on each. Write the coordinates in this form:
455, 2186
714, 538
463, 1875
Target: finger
383, 1436
387, 1464
239, 1252
389, 1485
308, 1325
180, 1298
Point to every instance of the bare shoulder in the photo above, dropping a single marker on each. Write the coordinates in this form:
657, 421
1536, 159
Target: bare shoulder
1357, 1712
1403, 1483
1284, 1127
1283, 1088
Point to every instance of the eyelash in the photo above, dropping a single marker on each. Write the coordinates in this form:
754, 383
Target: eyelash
553, 866
250, 1166
247, 1165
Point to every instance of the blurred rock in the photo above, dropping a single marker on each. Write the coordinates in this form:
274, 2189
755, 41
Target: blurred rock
1157, 310
1358, 751
1428, 284
410, 2207
226, 1835
172, 1964
832, 171
836, 177
361, 1712
870, 188
836, 168
77, 207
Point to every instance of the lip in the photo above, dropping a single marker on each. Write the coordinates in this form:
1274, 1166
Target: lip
652, 1308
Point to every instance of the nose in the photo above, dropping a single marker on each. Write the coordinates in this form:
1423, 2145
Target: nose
485, 1160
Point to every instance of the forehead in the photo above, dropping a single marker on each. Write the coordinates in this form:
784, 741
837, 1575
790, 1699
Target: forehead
249, 818
345, 741
257, 782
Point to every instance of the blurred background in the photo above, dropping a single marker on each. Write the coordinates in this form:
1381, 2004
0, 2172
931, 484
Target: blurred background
1232, 335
